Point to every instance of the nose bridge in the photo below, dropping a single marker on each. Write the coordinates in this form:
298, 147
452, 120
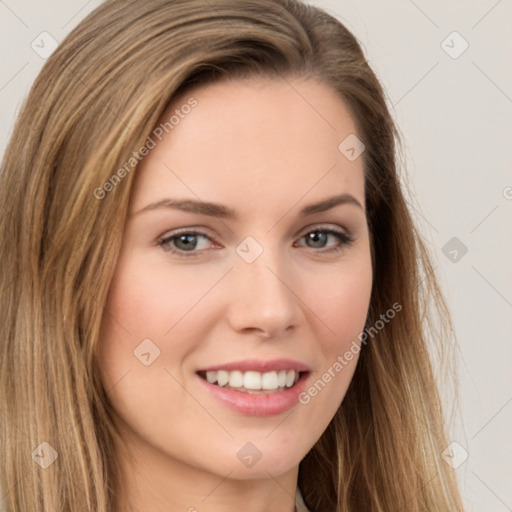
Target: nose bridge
264, 299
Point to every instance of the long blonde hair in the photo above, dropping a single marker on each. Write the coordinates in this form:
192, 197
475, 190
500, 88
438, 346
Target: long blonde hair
95, 102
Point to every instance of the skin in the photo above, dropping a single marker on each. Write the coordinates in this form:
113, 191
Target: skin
258, 147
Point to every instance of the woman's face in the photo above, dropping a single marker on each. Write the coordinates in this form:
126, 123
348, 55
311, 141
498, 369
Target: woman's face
236, 274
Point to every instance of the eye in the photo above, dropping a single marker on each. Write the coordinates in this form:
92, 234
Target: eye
185, 241
318, 239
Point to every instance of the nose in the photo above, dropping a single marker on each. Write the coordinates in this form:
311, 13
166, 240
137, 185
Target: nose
263, 300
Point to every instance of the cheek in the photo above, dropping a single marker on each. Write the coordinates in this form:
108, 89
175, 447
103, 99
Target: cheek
157, 302
149, 300
134, 313
137, 300
342, 304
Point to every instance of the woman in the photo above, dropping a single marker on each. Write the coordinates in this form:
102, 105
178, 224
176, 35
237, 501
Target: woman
214, 296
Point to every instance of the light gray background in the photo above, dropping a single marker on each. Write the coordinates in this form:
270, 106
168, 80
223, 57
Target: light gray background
455, 117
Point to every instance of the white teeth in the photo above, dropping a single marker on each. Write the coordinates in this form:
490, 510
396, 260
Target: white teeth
222, 377
236, 379
252, 380
269, 380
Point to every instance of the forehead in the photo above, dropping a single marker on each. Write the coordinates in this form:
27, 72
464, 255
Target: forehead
250, 141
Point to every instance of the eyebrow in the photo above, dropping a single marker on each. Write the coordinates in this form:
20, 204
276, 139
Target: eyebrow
223, 212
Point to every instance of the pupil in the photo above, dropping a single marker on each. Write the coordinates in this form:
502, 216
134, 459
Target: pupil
190, 241
318, 238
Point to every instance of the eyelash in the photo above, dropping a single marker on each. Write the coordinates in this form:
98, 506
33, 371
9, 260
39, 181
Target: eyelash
165, 243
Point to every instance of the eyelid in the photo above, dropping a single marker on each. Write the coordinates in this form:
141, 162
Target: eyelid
198, 230
324, 227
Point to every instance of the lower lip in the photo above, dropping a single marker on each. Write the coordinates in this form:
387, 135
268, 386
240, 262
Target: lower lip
269, 404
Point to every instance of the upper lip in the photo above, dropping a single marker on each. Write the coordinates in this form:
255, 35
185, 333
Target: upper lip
259, 365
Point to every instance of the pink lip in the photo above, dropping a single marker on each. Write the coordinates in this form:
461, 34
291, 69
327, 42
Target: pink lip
257, 405
259, 366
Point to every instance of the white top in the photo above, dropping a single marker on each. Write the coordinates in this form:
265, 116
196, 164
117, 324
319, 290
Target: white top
299, 502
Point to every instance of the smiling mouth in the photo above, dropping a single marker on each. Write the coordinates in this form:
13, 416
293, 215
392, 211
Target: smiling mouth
253, 382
